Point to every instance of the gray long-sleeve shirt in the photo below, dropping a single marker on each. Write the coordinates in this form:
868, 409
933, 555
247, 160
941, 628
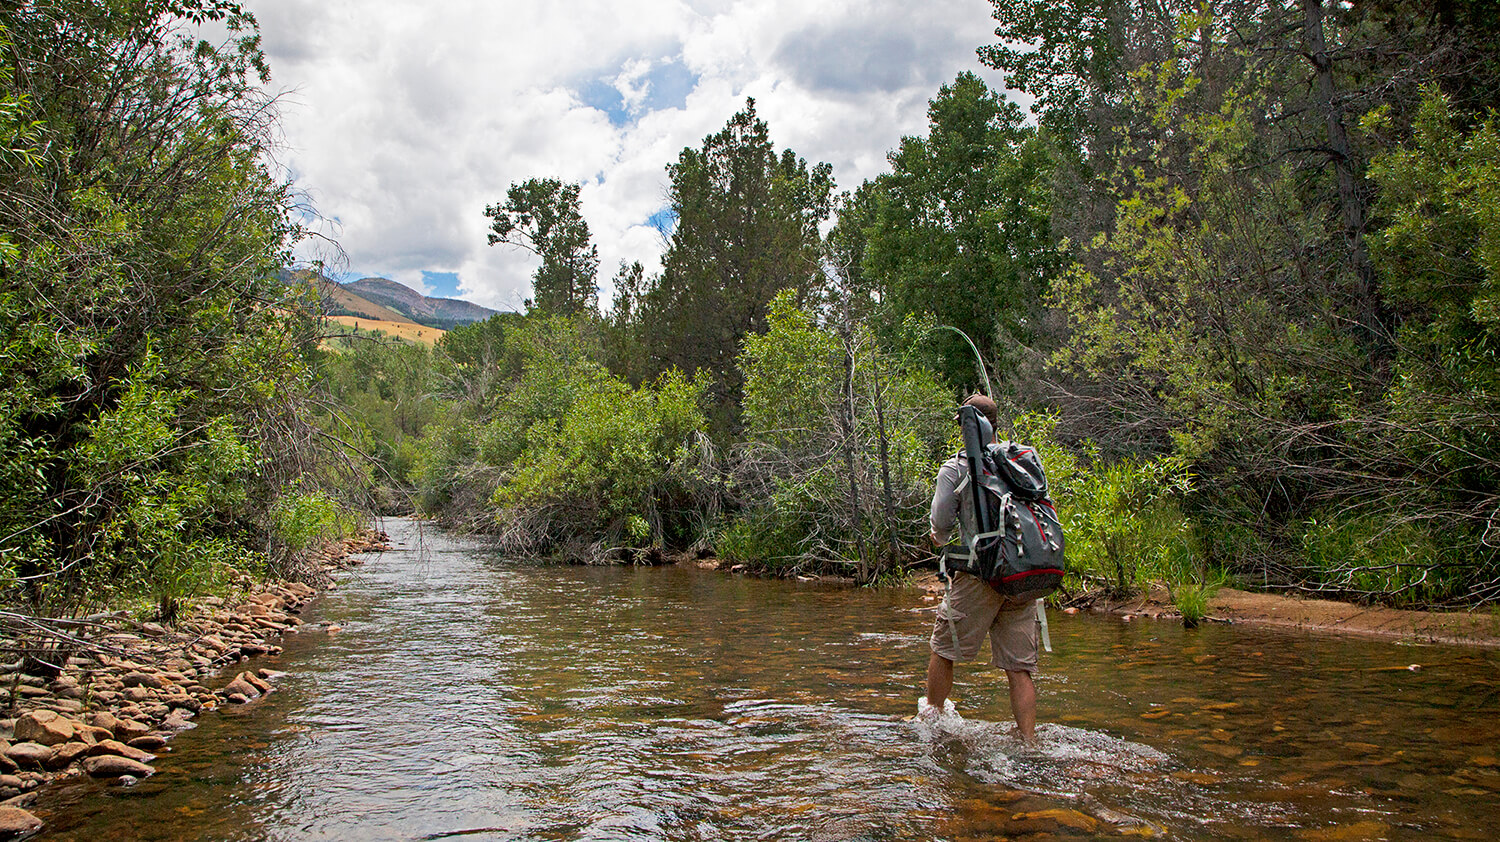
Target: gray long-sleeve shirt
949, 505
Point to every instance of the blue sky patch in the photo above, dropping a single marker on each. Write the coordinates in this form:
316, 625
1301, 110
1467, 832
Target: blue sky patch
602, 96
664, 221
671, 82
442, 284
667, 85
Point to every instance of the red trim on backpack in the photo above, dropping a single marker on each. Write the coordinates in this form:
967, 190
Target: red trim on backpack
1039, 572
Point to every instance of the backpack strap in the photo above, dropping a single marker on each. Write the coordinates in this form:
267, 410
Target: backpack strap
1041, 619
947, 608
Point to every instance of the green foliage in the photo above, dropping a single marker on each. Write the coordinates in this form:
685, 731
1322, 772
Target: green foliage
959, 228
843, 438
154, 485
1440, 261
154, 374
1066, 55
1192, 601
304, 520
1121, 518
1255, 341
540, 444
384, 392
747, 228
791, 377
614, 460
1404, 562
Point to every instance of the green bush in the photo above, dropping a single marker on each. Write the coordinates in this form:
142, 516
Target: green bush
1122, 519
615, 460
809, 454
302, 520
1389, 559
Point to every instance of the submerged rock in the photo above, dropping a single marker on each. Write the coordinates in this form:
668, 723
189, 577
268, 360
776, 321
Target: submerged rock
118, 749
150, 742
240, 686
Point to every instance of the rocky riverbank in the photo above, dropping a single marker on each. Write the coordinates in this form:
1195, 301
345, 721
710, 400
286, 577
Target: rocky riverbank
129, 686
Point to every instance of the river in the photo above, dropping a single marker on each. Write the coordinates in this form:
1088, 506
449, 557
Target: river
470, 697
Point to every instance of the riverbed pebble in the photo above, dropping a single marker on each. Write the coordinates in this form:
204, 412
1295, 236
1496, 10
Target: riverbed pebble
16, 823
114, 766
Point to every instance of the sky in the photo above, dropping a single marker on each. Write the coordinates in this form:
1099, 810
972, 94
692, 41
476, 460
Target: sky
402, 120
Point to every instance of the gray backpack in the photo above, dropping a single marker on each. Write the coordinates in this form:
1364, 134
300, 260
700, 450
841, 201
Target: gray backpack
1018, 547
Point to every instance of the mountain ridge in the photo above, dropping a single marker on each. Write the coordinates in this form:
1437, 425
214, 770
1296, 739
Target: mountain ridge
444, 313
383, 299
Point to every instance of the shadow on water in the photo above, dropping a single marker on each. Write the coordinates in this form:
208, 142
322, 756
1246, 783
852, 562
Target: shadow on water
471, 697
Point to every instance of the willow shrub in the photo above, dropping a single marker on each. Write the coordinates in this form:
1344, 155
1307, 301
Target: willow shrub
617, 467
843, 438
1413, 563
1122, 519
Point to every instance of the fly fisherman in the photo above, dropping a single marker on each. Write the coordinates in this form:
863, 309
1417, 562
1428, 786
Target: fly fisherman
972, 608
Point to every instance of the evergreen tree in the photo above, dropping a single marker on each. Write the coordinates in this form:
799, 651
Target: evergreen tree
961, 229
747, 227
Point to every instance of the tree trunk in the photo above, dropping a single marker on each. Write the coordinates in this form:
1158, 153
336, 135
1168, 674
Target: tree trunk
885, 468
846, 421
1350, 200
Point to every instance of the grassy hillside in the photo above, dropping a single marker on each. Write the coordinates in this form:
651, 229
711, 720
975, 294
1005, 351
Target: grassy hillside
340, 302
404, 330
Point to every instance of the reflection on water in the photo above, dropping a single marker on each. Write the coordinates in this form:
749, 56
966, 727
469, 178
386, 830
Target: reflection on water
470, 698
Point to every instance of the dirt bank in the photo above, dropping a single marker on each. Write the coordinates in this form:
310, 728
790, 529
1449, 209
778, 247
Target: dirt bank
1477, 628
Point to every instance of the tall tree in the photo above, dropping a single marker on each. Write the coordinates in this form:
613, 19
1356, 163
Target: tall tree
961, 229
541, 215
747, 227
1226, 304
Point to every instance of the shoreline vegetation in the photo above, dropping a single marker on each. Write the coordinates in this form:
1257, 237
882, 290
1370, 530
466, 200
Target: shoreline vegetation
1232, 606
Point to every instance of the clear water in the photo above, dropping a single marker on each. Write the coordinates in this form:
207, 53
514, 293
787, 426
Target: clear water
473, 698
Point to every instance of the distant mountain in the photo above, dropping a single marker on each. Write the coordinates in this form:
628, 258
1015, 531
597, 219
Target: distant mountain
444, 313
337, 301
386, 300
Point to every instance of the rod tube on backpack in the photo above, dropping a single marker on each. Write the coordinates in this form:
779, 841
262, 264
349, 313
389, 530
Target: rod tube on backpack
971, 422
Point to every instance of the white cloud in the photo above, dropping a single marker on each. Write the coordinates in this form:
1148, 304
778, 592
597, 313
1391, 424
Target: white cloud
405, 118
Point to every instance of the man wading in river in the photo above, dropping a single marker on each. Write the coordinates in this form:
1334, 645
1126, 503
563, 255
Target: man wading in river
973, 609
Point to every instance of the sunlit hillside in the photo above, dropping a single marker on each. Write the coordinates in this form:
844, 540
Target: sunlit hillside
407, 331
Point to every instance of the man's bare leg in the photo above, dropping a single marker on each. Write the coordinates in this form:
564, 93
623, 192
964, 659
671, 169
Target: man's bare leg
939, 680
1022, 699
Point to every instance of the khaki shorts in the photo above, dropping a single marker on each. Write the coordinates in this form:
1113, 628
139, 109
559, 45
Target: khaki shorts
976, 608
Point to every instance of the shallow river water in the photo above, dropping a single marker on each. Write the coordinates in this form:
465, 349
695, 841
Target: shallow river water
469, 697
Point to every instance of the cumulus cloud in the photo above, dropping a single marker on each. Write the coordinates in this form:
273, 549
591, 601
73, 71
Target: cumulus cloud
404, 119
